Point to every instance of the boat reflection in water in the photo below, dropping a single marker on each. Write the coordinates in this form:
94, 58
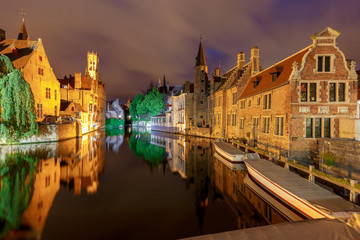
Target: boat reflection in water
220, 179
31, 176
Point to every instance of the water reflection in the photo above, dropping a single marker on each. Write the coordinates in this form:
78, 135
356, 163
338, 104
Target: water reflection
215, 179
174, 179
30, 177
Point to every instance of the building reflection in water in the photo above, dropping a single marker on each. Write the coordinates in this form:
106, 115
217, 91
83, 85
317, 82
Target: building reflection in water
216, 179
76, 163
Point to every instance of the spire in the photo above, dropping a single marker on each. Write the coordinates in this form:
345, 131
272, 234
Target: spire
200, 59
23, 33
164, 81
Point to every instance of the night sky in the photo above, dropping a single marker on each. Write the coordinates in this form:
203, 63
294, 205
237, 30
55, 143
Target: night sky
140, 40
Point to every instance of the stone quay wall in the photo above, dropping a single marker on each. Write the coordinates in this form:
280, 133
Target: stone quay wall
346, 156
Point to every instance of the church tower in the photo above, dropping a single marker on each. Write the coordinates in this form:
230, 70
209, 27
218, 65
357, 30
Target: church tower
92, 66
23, 32
200, 87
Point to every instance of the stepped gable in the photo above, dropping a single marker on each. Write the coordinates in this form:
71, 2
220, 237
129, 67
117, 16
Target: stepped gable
19, 51
284, 68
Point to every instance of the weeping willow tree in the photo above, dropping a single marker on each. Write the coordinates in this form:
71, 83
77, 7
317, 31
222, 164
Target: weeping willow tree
16, 189
18, 117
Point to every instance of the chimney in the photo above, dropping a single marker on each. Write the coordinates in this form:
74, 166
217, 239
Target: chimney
2, 34
240, 60
255, 61
217, 71
77, 80
187, 86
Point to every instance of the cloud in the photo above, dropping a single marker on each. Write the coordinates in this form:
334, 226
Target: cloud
140, 40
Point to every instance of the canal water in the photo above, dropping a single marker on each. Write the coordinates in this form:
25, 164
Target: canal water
127, 184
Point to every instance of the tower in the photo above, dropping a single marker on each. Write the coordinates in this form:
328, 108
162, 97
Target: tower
92, 66
200, 87
23, 32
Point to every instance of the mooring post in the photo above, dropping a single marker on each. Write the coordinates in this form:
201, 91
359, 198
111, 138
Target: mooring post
311, 176
353, 194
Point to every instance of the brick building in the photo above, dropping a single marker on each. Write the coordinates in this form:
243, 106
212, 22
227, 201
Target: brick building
88, 91
224, 92
31, 59
312, 94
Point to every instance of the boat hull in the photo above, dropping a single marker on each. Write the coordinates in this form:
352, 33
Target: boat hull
301, 205
234, 158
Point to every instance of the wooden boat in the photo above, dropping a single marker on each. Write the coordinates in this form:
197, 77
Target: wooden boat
309, 199
231, 153
279, 206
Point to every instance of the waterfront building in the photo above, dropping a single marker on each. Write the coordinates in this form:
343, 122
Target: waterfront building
312, 94
114, 110
31, 59
88, 91
224, 92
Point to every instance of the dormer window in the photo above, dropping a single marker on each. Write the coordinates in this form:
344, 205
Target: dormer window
40, 58
324, 64
275, 75
256, 82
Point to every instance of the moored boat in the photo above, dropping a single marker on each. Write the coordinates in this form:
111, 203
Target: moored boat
230, 165
307, 198
231, 153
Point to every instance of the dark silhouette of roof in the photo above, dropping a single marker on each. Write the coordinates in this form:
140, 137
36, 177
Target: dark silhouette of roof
200, 59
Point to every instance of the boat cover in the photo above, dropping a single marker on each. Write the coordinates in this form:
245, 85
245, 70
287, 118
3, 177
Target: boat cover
302, 188
314, 229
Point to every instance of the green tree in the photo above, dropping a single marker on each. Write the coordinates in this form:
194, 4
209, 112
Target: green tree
133, 108
18, 117
154, 101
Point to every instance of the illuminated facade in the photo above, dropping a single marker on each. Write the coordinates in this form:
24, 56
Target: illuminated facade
31, 59
89, 92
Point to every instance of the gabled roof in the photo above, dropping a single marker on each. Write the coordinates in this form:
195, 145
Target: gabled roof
64, 104
200, 58
265, 76
19, 51
79, 107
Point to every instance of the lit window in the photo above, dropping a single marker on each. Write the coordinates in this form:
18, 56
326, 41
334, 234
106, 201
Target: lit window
318, 127
55, 110
308, 92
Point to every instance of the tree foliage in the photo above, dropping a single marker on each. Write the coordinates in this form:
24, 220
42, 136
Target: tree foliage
142, 108
18, 117
114, 123
133, 108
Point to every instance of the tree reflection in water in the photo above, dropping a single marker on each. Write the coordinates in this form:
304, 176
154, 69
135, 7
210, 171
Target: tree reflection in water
16, 189
140, 145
